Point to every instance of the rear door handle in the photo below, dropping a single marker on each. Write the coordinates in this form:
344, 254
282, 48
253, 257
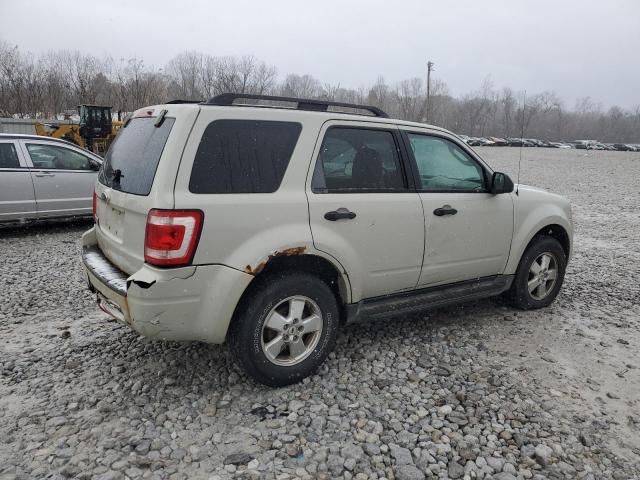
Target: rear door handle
341, 213
44, 174
445, 210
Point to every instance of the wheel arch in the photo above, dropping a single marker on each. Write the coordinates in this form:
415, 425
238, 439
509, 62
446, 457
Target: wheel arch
555, 231
327, 271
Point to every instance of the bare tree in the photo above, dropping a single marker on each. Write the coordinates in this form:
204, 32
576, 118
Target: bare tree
265, 78
57, 81
508, 106
439, 102
14, 92
80, 73
380, 94
185, 74
304, 86
411, 101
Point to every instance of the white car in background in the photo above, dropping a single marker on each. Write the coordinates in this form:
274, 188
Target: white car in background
43, 178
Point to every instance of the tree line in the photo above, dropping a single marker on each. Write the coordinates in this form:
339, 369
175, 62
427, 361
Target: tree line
46, 85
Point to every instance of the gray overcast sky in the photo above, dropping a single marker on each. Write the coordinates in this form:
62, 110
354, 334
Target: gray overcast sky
575, 47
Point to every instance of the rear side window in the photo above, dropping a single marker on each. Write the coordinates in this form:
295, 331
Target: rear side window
243, 156
8, 156
131, 162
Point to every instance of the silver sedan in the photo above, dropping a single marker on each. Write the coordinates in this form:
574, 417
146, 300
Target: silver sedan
44, 178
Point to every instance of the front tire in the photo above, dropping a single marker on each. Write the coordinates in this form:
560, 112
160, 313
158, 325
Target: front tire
540, 274
285, 328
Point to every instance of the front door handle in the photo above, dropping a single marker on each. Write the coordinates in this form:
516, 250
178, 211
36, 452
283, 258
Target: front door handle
341, 213
44, 174
445, 210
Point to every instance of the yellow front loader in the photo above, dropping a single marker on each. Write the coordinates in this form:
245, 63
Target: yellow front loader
95, 131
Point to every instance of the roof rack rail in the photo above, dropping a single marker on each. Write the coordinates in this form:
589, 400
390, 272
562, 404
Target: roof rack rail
178, 102
228, 99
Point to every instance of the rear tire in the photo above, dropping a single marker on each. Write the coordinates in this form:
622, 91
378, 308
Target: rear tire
540, 274
285, 328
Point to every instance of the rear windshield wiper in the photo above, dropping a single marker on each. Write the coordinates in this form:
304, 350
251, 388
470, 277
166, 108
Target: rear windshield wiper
116, 175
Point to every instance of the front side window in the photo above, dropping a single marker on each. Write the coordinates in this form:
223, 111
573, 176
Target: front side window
8, 156
243, 156
358, 160
444, 166
52, 157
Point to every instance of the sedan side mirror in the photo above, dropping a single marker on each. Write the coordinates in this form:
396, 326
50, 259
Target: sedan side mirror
501, 183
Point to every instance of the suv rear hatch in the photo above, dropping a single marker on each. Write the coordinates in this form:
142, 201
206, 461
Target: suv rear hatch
139, 174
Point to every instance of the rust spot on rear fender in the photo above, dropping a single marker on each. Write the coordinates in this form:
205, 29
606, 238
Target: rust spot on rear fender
287, 252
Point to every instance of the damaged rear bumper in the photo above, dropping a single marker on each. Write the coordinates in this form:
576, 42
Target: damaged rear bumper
189, 303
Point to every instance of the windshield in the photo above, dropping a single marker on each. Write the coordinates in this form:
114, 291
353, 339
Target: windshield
131, 162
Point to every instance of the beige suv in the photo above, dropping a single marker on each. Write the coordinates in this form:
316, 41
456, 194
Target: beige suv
269, 222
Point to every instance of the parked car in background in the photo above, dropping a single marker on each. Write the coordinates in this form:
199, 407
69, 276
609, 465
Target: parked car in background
586, 145
520, 142
622, 147
534, 142
498, 142
474, 142
271, 227
42, 178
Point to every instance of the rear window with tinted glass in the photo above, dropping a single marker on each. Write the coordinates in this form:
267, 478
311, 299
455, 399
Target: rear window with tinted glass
131, 162
243, 156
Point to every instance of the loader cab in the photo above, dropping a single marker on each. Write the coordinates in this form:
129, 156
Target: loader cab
95, 121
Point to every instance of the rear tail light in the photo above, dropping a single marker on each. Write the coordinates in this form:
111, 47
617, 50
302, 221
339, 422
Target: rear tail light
95, 206
171, 236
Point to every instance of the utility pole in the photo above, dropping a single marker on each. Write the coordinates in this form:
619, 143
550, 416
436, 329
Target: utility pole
430, 66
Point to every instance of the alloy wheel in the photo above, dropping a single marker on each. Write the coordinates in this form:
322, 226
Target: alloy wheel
543, 275
291, 330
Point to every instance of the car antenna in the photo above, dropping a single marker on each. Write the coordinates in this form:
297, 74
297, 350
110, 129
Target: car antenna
524, 105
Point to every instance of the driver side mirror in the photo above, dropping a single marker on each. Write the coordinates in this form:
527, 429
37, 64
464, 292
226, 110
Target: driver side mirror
94, 166
501, 183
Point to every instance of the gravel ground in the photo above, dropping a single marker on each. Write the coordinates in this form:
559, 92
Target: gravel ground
480, 391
